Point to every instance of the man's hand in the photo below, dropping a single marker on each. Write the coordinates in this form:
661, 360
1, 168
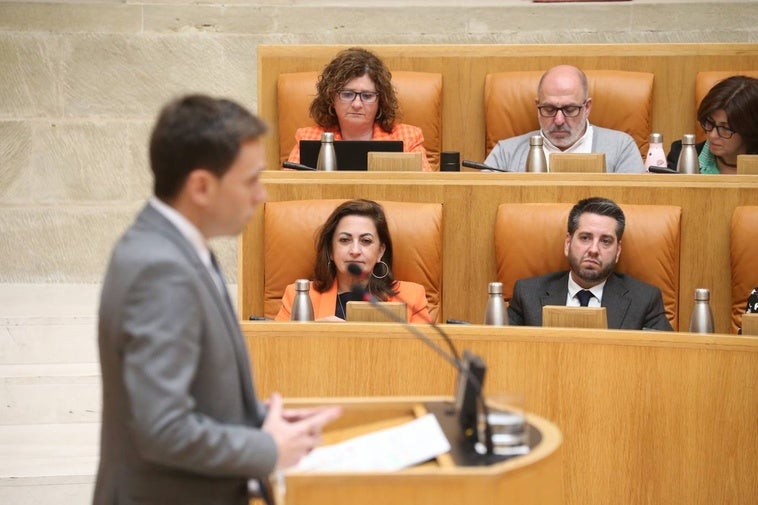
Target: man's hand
296, 431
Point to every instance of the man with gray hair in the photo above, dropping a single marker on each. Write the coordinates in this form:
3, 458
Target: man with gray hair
563, 110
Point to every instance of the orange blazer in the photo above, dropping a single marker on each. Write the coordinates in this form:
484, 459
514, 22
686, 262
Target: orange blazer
410, 293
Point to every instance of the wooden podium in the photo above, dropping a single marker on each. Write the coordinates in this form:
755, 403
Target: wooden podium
534, 478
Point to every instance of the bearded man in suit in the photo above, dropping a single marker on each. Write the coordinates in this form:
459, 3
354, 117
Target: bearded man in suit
593, 247
181, 423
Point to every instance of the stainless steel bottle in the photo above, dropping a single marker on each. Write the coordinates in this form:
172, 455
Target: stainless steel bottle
535, 160
302, 308
327, 158
688, 162
702, 317
496, 314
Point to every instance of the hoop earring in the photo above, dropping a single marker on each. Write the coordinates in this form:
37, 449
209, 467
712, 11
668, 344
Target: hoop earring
379, 116
386, 270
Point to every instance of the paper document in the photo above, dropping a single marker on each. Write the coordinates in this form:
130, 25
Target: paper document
381, 451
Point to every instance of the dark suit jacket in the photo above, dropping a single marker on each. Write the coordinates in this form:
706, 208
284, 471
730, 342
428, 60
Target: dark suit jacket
180, 417
630, 304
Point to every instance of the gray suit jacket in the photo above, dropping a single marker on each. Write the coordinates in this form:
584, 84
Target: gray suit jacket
630, 304
180, 417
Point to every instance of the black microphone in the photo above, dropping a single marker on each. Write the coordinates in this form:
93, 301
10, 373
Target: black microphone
296, 166
662, 170
481, 166
472, 367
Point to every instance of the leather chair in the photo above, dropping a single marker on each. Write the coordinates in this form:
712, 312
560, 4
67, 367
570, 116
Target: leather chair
743, 257
290, 231
530, 237
704, 81
419, 94
620, 100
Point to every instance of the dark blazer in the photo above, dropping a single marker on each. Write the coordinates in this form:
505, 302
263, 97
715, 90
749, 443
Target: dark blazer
630, 304
180, 416
676, 149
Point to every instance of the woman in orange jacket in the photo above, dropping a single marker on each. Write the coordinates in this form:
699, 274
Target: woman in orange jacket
356, 233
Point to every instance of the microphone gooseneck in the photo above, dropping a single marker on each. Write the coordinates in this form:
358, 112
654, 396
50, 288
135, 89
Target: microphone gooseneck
360, 292
297, 166
481, 166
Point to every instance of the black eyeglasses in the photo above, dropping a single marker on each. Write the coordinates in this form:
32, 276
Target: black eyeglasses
348, 95
567, 110
722, 131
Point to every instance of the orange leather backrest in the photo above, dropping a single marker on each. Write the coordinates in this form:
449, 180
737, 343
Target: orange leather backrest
620, 100
704, 81
290, 230
419, 94
530, 237
743, 256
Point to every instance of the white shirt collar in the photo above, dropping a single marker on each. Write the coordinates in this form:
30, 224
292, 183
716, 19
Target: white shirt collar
582, 145
186, 228
574, 288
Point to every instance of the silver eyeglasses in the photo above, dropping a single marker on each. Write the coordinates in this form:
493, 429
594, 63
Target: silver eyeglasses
722, 131
348, 95
567, 110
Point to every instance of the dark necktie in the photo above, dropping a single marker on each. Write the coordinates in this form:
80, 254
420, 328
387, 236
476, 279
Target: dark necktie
584, 297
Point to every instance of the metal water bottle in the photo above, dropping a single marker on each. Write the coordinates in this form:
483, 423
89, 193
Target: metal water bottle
327, 158
702, 317
688, 162
535, 160
496, 314
302, 308
656, 157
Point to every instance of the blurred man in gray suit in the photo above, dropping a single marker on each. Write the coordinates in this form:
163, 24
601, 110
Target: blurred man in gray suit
593, 247
181, 422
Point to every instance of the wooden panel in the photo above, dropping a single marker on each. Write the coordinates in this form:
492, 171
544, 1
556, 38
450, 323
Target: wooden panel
750, 324
464, 67
647, 417
574, 317
470, 201
577, 162
747, 164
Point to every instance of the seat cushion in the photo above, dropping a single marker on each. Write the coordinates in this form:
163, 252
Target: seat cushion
743, 242
530, 238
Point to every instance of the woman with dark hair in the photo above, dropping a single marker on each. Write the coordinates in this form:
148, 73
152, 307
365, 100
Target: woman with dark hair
356, 233
729, 116
355, 100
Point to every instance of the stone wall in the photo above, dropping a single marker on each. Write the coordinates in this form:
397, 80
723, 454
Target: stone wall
81, 83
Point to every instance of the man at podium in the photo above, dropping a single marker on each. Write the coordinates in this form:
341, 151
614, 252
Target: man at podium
181, 422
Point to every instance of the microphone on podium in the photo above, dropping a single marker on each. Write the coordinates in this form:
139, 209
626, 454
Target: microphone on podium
296, 166
481, 166
471, 368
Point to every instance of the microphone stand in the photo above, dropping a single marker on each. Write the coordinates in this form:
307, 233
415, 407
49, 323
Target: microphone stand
361, 293
481, 166
296, 166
